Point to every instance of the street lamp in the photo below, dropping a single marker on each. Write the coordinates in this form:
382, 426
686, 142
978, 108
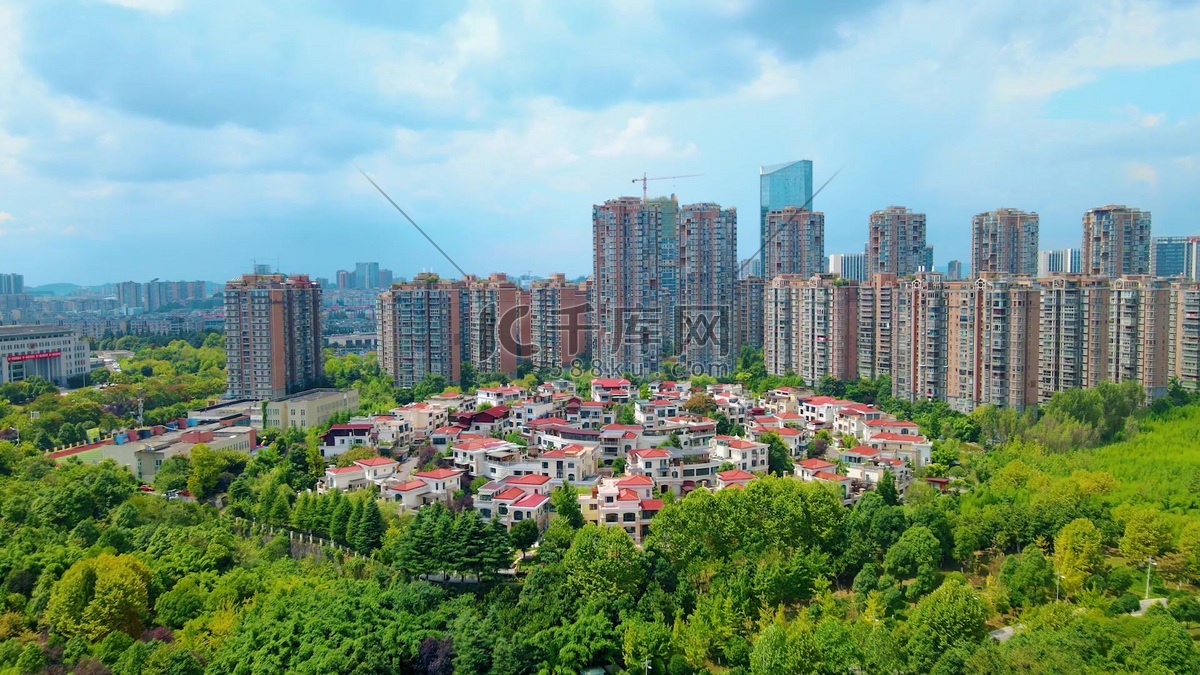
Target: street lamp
1149, 565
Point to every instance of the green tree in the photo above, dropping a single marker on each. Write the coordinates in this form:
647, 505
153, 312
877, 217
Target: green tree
618, 466
371, 528
97, 596
566, 505
1028, 578
790, 648
700, 404
173, 474
779, 460
603, 561
625, 414
207, 467
1147, 532
524, 534
1077, 552
887, 489
339, 517
951, 616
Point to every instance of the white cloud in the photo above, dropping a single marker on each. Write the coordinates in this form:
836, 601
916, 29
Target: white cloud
1143, 119
637, 141
1141, 172
5, 216
152, 6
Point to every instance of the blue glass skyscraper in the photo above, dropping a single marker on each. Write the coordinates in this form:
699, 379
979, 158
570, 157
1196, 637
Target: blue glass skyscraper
787, 184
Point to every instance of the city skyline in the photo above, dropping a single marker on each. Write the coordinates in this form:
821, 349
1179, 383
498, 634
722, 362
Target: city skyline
113, 154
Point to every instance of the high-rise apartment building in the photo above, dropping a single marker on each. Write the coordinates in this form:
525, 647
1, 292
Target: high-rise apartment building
1139, 320
626, 295
1004, 241
919, 338
706, 312
751, 321
158, 294
896, 243
1005, 340
12, 284
559, 319
499, 324
386, 277
130, 294
345, 280
272, 335
668, 260
423, 328
750, 267
366, 275
1183, 338
1116, 241
954, 270
1169, 256
876, 313
927, 259
795, 243
852, 266
781, 186
1062, 261
811, 327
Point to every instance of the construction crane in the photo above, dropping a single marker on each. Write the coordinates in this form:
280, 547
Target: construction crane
644, 180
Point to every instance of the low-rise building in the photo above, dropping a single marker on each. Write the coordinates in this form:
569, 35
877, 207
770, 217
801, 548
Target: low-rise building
516, 498
628, 503
498, 395
423, 417
612, 390
573, 463
342, 437
309, 408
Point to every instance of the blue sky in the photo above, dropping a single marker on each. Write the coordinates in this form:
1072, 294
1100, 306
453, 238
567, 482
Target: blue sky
185, 139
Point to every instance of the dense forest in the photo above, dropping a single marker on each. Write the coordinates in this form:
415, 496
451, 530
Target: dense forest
1047, 527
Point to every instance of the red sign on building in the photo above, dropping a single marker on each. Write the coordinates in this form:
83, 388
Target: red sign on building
36, 355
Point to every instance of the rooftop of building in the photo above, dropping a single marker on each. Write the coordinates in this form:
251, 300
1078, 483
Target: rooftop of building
310, 395
32, 330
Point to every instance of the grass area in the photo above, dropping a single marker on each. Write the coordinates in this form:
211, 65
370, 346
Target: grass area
1160, 465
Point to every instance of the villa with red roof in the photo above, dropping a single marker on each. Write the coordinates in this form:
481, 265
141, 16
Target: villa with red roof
424, 417
611, 390
498, 395
734, 478
807, 469
360, 474
573, 462
629, 503
342, 437
474, 455
655, 411
516, 498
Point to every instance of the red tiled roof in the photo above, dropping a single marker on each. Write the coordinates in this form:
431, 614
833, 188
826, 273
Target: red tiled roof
734, 475
815, 464
531, 501
786, 431
629, 435
863, 451
790, 416
438, 474
528, 479
825, 475
375, 461
352, 427
652, 504
743, 445
635, 481
470, 437
621, 427
406, 486
725, 437
610, 383
546, 420
507, 493
480, 444
337, 470
890, 423
650, 453
626, 495
447, 430
820, 400
888, 436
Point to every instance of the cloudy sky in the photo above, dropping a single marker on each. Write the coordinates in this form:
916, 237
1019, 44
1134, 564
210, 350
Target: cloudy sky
186, 139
